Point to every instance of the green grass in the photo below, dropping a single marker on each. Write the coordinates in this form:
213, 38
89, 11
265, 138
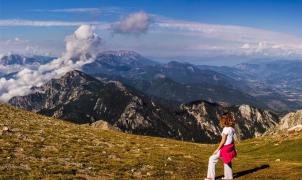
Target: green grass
43, 147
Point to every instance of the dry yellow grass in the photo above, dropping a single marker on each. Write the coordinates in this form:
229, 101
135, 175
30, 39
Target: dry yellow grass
41, 147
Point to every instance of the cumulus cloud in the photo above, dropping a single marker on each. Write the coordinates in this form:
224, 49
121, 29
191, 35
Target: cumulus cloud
84, 41
81, 47
134, 23
269, 49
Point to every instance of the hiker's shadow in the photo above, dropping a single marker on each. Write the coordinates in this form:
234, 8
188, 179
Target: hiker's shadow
245, 172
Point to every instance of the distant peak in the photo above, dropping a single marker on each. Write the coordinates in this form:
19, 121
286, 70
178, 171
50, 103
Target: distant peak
75, 73
10, 56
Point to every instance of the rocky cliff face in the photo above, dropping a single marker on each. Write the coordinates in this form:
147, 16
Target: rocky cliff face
80, 98
290, 122
250, 121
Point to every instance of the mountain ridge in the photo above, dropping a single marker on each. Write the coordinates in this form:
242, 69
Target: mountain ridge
81, 98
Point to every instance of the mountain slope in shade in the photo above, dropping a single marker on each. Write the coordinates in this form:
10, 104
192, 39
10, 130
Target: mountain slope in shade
276, 84
166, 89
80, 98
174, 81
242, 85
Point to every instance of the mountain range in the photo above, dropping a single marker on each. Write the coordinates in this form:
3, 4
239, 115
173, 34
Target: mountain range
16, 59
184, 82
81, 98
174, 100
177, 82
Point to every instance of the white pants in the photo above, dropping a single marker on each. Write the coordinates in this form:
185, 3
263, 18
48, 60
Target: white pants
228, 173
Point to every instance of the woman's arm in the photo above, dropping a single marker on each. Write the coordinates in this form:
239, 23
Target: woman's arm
223, 139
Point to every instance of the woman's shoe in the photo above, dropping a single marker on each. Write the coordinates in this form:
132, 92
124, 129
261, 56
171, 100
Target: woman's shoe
208, 179
226, 178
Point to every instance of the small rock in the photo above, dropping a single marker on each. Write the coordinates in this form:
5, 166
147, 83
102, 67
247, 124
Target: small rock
19, 149
15, 130
187, 156
277, 160
276, 144
169, 172
137, 174
5, 128
114, 157
169, 159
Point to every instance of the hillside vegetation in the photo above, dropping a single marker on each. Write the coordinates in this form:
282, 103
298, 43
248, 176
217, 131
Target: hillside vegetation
34, 146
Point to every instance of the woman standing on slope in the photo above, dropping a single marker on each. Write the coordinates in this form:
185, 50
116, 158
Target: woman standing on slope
226, 149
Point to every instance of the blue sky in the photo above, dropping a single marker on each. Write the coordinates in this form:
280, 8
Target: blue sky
185, 30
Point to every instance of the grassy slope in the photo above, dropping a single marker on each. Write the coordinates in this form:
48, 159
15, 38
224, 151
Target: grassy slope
39, 146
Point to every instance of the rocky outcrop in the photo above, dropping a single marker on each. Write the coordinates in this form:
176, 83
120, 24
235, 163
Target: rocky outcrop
290, 120
250, 121
104, 125
288, 123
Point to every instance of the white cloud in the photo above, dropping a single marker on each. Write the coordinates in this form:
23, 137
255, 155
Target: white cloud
227, 32
100, 10
22, 46
84, 41
245, 46
235, 40
74, 58
76, 10
24, 22
169, 37
134, 23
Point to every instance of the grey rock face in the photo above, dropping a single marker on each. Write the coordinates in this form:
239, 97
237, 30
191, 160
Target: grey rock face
250, 121
289, 122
